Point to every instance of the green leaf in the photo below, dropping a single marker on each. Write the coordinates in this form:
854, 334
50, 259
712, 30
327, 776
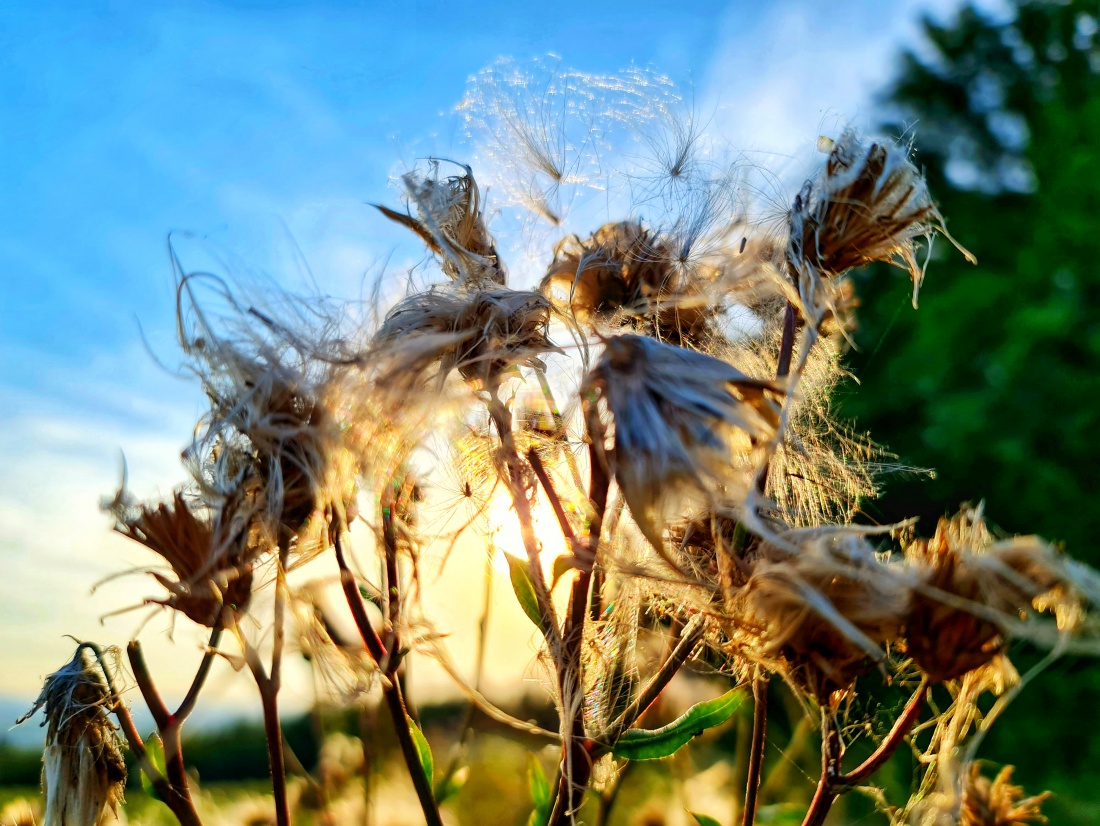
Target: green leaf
779, 814
652, 744
154, 751
519, 571
423, 750
704, 820
540, 791
449, 786
563, 565
537, 783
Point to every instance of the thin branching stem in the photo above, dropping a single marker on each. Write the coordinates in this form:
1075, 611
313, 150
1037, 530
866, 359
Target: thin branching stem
181, 805
826, 793
685, 648
756, 747
388, 661
502, 419
902, 726
577, 758
832, 782
187, 705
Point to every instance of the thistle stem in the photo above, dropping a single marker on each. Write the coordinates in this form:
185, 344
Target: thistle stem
577, 751
689, 641
832, 783
786, 343
388, 661
756, 749
399, 715
502, 418
181, 805
268, 683
902, 726
826, 793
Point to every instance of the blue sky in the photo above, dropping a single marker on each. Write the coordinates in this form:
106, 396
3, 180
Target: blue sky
264, 130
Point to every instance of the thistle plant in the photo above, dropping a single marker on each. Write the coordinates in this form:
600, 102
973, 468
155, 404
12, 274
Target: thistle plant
700, 485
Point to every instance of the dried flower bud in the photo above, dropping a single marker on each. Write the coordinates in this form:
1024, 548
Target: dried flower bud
205, 554
824, 612
482, 334
675, 412
963, 561
869, 204
83, 770
452, 225
625, 270
998, 802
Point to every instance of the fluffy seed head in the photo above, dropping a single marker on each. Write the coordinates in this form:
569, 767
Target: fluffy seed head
483, 334
1010, 578
624, 271
823, 613
675, 412
83, 770
869, 204
452, 225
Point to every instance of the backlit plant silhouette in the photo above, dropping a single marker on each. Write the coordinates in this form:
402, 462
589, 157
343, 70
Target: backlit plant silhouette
664, 389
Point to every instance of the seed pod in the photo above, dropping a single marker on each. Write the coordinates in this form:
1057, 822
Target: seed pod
83, 770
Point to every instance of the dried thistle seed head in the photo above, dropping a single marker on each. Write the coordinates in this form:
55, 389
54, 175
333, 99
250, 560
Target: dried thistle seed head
823, 614
998, 802
207, 554
83, 770
1009, 578
452, 225
675, 414
483, 334
272, 432
869, 204
626, 273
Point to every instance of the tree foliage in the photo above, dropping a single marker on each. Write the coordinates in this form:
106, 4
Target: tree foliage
995, 383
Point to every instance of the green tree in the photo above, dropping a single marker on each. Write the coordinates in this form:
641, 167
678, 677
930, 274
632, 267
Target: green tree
995, 383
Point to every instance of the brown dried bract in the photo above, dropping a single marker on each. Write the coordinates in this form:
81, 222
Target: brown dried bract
998, 802
961, 560
208, 559
869, 204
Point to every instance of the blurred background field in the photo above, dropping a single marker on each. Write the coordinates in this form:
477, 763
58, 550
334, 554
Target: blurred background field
995, 384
